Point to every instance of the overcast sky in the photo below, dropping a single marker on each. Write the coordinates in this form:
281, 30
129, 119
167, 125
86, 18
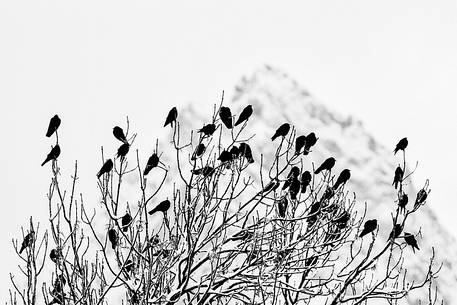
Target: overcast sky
392, 64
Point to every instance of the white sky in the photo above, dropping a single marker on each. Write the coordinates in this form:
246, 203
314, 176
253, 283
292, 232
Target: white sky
392, 64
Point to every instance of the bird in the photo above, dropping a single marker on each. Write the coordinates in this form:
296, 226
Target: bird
294, 172
28, 241
123, 150
403, 201
226, 117
171, 117
245, 150
398, 177
401, 145
126, 221
326, 165
294, 188
420, 197
273, 185
411, 241
309, 142
119, 134
55, 255
208, 129
343, 219
161, 207
235, 152
299, 143
282, 206
128, 266
225, 156
313, 213
153, 161
282, 131
113, 238
368, 227
344, 176
54, 123
106, 168
305, 180
244, 115
53, 154
328, 194
199, 150
396, 231
205, 171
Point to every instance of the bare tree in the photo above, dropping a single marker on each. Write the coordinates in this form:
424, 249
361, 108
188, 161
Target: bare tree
220, 236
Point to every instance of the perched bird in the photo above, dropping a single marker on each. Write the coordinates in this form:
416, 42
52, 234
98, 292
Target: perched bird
128, 266
282, 206
368, 227
113, 238
119, 134
106, 168
245, 150
342, 220
244, 115
344, 176
282, 131
161, 207
420, 197
235, 152
53, 154
401, 145
294, 172
28, 241
403, 201
55, 255
299, 144
199, 150
309, 142
328, 194
226, 117
171, 117
326, 165
126, 221
305, 180
123, 150
398, 177
313, 213
294, 188
208, 129
153, 161
396, 231
54, 123
411, 241
205, 171
273, 185
225, 156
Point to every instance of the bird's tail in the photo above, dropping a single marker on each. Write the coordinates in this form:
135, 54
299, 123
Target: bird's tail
318, 170
152, 211
45, 161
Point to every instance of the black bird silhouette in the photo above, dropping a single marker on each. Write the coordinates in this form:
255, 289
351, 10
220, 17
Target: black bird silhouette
244, 115
205, 171
225, 156
411, 241
342, 220
106, 168
309, 142
128, 266
119, 134
299, 144
369, 226
403, 201
273, 185
396, 231
328, 194
208, 130
245, 150
161, 207
126, 221
226, 117
294, 188
153, 161
55, 255
313, 213
282, 131
28, 241
123, 150
420, 197
235, 152
294, 172
53, 154
171, 117
54, 123
305, 180
398, 177
401, 145
282, 206
113, 238
344, 176
199, 150
326, 165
